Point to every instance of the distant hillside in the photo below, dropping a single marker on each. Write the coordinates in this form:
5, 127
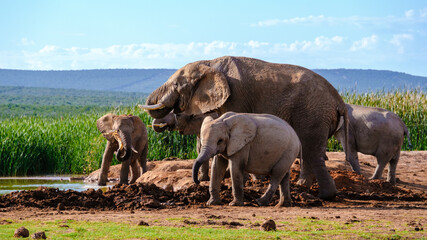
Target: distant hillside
128, 80
71, 97
372, 80
147, 80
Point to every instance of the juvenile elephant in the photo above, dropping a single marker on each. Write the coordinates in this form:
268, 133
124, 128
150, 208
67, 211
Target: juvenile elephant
377, 132
261, 144
127, 136
304, 99
187, 125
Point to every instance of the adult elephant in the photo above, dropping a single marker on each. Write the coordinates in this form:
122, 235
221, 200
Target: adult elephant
309, 103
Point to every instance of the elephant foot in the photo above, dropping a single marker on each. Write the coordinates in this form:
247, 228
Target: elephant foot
305, 182
327, 194
284, 204
262, 202
236, 203
212, 201
103, 183
374, 177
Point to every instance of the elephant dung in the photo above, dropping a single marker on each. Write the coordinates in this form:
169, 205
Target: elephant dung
269, 225
21, 232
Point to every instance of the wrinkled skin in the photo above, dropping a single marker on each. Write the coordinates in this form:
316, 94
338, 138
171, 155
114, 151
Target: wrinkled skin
304, 99
261, 144
132, 134
376, 132
187, 125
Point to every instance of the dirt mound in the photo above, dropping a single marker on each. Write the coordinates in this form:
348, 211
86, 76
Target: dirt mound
168, 184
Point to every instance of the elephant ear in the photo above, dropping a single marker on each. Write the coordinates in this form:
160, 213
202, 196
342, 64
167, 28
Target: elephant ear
137, 122
211, 90
105, 123
242, 131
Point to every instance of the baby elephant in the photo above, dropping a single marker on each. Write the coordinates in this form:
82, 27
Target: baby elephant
261, 144
127, 136
377, 132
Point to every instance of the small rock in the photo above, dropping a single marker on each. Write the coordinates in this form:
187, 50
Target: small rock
268, 225
142, 223
39, 235
21, 232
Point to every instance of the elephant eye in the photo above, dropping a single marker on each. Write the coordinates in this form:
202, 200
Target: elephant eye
220, 141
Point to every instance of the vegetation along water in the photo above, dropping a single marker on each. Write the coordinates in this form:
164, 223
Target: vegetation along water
54, 137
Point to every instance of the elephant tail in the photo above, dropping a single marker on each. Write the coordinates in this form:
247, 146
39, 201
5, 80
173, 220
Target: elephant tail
408, 136
343, 113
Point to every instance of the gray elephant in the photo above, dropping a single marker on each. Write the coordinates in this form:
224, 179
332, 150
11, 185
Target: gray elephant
127, 136
255, 143
304, 99
376, 132
187, 125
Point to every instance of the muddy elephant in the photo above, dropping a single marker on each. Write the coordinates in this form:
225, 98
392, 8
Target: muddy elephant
304, 99
127, 136
261, 144
187, 125
376, 132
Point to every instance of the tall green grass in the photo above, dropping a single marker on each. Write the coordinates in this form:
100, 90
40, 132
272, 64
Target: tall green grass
72, 144
32, 145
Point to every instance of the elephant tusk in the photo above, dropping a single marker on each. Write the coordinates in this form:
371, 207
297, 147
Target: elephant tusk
133, 149
160, 125
118, 139
152, 107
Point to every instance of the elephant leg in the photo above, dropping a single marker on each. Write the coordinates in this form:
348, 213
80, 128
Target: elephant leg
219, 166
382, 160
124, 172
278, 172
136, 170
354, 161
105, 166
285, 192
143, 159
236, 170
306, 177
314, 150
391, 177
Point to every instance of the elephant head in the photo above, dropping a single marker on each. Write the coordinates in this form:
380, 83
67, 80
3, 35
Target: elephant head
226, 136
118, 130
194, 89
185, 124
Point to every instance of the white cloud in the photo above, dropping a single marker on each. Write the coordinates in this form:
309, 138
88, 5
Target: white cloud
410, 13
409, 17
296, 20
167, 55
398, 41
27, 42
364, 43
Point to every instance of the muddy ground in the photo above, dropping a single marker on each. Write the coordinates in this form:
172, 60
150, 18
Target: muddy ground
167, 191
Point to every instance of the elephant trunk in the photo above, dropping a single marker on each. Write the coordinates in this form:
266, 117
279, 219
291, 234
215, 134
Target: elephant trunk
160, 102
166, 123
204, 156
125, 148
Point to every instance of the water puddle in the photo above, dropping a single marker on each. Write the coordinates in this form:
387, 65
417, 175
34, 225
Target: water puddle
11, 184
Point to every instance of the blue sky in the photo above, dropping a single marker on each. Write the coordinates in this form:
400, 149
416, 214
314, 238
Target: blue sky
92, 34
